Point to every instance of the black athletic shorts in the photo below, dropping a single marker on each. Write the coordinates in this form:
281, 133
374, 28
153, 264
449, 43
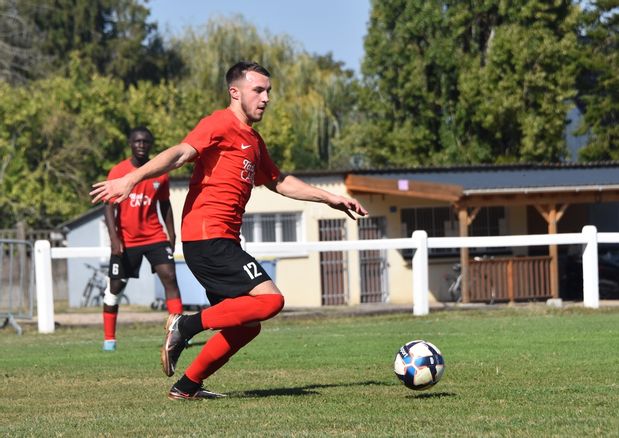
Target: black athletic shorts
223, 268
128, 264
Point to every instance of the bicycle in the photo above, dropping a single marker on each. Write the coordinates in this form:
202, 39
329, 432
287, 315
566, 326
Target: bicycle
98, 281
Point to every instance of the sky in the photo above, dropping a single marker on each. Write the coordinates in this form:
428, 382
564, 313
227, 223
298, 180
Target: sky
318, 26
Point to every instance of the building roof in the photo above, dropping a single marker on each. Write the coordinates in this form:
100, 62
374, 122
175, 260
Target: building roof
496, 184
81, 219
475, 178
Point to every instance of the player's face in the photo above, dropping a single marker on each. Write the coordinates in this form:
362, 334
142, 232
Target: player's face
141, 142
254, 95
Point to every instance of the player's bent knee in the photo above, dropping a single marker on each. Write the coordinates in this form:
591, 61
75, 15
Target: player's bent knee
116, 286
272, 304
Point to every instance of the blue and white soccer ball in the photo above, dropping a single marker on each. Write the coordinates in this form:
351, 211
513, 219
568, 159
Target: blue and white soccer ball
419, 365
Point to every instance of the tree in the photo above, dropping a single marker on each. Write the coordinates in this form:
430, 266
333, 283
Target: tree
598, 82
114, 35
465, 82
17, 56
312, 94
61, 134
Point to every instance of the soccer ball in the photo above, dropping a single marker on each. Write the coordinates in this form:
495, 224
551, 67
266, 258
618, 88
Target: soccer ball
419, 365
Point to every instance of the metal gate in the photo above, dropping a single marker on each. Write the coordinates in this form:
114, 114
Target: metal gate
373, 263
16, 282
333, 264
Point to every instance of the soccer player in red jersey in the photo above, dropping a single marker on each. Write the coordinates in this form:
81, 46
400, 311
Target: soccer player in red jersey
136, 232
230, 158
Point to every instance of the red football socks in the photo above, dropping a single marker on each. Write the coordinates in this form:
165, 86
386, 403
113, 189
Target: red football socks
109, 325
174, 305
233, 312
218, 350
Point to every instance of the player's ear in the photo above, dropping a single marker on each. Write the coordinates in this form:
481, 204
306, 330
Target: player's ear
234, 92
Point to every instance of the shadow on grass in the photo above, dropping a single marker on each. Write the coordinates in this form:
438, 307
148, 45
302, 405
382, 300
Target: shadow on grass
432, 395
302, 390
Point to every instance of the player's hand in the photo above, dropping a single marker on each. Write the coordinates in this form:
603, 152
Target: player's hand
114, 190
347, 205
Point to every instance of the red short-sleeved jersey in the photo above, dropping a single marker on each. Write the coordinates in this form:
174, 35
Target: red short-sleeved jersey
137, 217
232, 160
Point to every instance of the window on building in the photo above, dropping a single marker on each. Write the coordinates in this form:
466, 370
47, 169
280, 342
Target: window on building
272, 227
442, 222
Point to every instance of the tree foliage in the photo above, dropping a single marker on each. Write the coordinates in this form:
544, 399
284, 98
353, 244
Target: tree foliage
444, 82
63, 133
113, 35
599, 80
467, 82
311, 94
17, 54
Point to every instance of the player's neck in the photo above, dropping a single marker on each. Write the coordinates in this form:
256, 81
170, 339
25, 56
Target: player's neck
138, 162
239, 114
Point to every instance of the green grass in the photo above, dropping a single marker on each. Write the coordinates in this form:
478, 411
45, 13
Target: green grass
511, 372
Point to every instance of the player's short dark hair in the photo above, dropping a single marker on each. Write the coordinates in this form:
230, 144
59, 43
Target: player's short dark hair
239, 69
137, 129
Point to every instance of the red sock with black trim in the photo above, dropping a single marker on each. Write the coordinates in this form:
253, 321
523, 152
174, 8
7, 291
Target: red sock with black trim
218, 350
109, 325
174, 305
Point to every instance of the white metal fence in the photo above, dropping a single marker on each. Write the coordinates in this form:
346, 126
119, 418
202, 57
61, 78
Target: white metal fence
589, 237
16, 282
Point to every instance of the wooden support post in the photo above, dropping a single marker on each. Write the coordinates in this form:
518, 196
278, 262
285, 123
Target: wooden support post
554, 253
552, 216
463, 220
510, 281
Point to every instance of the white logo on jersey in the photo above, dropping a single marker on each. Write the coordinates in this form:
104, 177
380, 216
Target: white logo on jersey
138, 199
156, 184
248, 172
245, 146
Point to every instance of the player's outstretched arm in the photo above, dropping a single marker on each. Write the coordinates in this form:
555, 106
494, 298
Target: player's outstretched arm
117, 190
292, 187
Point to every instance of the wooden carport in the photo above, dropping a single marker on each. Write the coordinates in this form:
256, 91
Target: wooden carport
550, 201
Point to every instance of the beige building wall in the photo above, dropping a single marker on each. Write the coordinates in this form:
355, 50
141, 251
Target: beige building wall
299, 277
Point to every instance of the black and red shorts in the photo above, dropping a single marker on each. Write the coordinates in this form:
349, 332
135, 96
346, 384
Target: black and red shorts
128, 264
223, 268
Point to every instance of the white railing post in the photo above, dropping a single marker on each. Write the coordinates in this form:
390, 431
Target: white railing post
420, 274
590, 280
43, 279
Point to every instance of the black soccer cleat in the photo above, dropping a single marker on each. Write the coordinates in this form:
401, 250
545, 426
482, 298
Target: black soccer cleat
173, 345
200, 394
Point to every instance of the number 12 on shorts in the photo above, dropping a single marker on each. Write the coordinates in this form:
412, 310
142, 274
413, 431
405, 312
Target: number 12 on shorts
252, 270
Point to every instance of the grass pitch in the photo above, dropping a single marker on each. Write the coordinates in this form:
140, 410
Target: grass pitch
513, 372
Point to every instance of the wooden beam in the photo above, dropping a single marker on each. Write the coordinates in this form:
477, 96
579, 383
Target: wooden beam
472, 215
554, 253
463, 218
508, 199
543, 211
561, 211
404, 187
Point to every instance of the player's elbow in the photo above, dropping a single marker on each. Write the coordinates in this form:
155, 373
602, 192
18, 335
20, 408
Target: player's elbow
182, 154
